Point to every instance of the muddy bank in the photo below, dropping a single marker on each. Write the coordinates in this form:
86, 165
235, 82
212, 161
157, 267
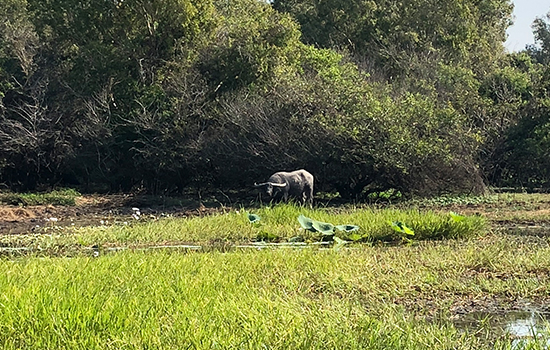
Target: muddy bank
96, 210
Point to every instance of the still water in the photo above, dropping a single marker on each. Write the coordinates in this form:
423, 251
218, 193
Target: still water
521, 327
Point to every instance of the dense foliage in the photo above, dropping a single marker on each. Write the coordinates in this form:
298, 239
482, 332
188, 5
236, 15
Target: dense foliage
369, 96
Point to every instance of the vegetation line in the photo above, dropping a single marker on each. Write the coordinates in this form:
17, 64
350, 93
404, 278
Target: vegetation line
376, 99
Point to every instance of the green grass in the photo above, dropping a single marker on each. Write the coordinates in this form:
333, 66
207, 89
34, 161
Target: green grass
278, 222
58, 197
365, 298
508, 201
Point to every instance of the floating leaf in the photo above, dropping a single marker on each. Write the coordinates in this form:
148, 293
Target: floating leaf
253, 218
401, 227
324, 227
347, 228
306, 223
457, 217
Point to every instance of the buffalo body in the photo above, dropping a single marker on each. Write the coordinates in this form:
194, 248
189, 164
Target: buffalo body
296, 184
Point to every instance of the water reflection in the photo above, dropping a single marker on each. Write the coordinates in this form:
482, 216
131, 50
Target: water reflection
521, 327
525, 324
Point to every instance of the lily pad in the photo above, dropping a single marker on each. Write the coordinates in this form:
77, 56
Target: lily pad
306, 223
253, 218
401, 227
347, 228
339, 243
325, 228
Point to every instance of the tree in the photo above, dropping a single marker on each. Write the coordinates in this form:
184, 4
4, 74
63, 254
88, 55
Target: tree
388, 36
541, 31
30, 139
159, 95
521, 157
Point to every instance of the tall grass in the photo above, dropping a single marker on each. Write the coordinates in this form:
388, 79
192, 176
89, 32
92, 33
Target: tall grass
278, 222
274, 300
372, 297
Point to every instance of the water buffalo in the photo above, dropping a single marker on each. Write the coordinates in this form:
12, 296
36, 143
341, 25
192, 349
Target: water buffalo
297, 184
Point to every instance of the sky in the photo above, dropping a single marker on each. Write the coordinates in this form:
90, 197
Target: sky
525, 12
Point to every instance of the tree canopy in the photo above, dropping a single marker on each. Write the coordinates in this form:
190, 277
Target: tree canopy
415, 97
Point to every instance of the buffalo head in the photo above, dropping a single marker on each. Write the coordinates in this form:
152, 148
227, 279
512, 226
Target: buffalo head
269, 186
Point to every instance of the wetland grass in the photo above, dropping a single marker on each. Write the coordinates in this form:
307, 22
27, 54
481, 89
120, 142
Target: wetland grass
57, 197
279, 223
370, 297
245, 300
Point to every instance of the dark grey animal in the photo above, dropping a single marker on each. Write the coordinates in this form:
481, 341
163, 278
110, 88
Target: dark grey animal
297, 184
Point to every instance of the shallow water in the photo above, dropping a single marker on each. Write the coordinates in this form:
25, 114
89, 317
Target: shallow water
97, 251
522, 324
521, 327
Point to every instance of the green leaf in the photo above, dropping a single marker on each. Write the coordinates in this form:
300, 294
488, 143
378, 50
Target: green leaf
347, 228
355, 237
253, 218
402, 228
306, 223
457, 217
325, 228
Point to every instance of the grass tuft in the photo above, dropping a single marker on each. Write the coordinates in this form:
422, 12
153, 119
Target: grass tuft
57, 197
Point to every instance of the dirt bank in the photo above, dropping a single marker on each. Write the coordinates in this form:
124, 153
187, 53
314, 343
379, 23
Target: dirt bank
95, 210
